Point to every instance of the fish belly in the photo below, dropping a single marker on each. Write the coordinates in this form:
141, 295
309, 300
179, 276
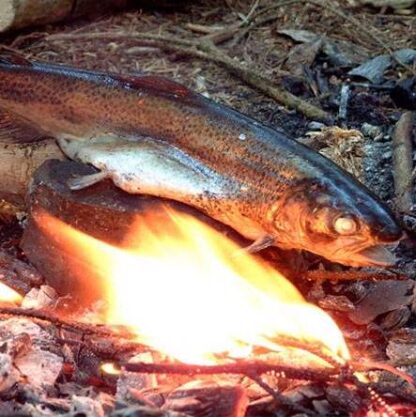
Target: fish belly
147, 166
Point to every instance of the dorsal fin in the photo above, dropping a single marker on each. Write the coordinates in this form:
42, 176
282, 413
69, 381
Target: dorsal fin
157, 85
13, 58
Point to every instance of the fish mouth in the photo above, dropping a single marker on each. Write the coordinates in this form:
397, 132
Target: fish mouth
377, 255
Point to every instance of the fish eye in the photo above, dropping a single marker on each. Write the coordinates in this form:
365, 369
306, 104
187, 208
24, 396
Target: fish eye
345, 225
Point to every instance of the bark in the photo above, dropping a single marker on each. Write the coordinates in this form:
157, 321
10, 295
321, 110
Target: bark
16, 14
18, 163
403, 162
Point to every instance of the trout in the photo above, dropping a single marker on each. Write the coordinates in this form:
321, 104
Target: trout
154, 136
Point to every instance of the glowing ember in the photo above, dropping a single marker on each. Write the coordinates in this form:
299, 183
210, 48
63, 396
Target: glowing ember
8, 295
178, 284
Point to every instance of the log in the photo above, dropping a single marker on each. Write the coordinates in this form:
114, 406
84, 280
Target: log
19, 162
102, 211
16, 14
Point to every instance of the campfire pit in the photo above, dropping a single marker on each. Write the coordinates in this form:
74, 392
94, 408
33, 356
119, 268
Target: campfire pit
61, 354
61, 347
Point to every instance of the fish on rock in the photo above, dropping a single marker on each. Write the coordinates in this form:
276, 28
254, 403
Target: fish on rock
154, 136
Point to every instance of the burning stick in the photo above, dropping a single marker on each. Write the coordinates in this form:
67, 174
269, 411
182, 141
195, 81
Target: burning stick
247, 368
378, 275
88, 329
254, 370
402, 162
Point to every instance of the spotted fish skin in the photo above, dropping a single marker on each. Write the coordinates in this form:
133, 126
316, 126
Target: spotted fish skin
257, 169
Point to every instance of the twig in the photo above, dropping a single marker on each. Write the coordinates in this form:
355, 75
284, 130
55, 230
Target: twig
208, 51
243, 368
279, 398
361, 29
403, 162
394, 389
315, 349
343, 103
84, 328
324, 275
240, 29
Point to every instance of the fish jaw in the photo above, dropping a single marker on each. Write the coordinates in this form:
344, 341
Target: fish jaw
378, 255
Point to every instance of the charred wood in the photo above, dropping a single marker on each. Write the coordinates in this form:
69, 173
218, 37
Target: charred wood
208, 399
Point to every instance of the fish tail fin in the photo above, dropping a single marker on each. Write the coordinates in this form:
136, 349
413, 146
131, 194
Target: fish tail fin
13, 129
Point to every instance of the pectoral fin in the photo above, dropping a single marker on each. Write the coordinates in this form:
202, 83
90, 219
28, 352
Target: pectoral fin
259, 244
84, 181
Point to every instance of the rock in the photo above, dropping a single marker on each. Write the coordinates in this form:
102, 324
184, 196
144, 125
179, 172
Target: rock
371, 131
316, 126
8, 373
15, 326
342, 398
401, 348
27, 345
40, 298
40, 367
129, 383
87, 406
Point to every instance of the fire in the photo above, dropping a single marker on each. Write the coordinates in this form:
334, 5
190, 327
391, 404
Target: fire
180, 286
8, 295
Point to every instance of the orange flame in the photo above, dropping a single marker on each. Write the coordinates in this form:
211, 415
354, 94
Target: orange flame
178, 284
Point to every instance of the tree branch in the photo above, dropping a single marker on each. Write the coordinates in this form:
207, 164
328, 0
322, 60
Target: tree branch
206, 49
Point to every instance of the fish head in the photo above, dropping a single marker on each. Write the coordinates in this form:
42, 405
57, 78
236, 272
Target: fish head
348, 225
